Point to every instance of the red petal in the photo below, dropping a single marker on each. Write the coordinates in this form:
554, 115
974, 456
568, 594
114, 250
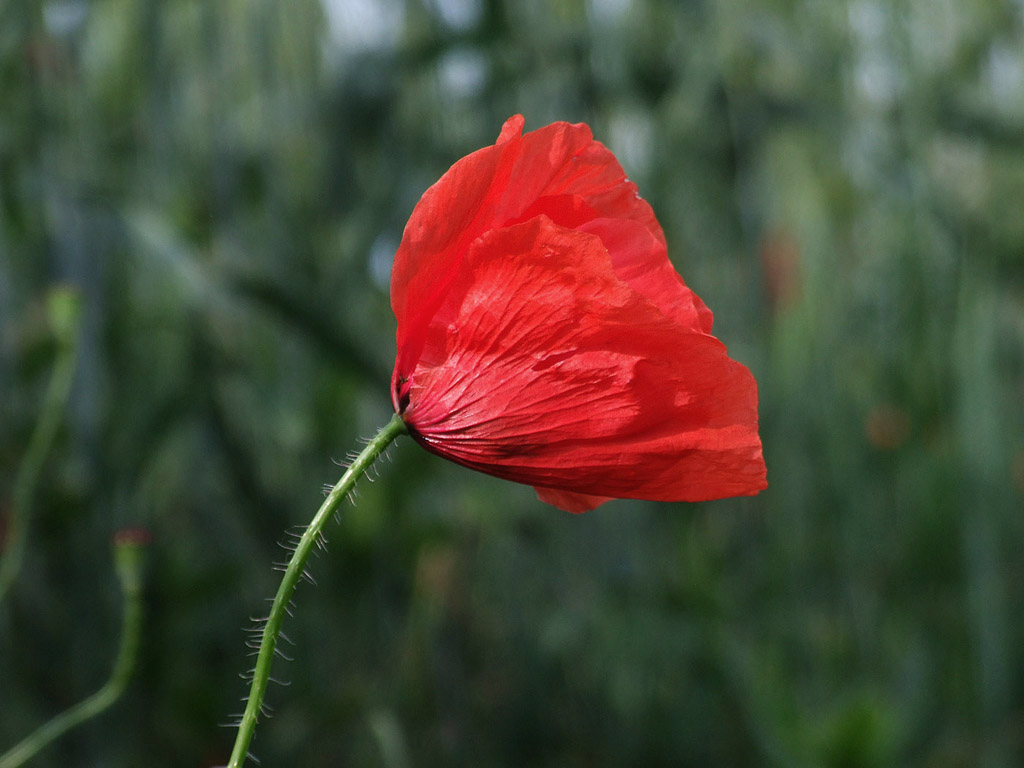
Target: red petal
452, 213
642, 261
544, 367
549, 156
558, 170
568, 501
448, 217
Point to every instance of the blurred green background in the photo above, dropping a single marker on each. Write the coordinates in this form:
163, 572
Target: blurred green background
224, 184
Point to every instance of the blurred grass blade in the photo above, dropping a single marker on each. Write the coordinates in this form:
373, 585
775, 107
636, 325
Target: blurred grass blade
128, 559
388, 734
64, 307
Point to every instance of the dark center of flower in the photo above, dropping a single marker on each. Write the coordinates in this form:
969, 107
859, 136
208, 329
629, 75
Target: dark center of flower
402, 393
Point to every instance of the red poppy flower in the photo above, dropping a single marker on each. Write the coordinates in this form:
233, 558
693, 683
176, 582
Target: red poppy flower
544, 337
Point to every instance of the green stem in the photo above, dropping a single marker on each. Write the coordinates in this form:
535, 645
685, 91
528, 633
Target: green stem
292, 574
63, 312
128, 559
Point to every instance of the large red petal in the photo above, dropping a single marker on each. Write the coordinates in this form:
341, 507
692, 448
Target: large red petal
548, 155
484, 190
641, 260
593, 174
589, 190
449, 216
558, 171
544, 367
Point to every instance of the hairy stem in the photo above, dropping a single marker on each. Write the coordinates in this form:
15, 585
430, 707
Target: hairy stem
128, 560
292, 574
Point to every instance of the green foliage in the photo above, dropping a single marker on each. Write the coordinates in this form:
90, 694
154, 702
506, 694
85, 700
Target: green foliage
224, 183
